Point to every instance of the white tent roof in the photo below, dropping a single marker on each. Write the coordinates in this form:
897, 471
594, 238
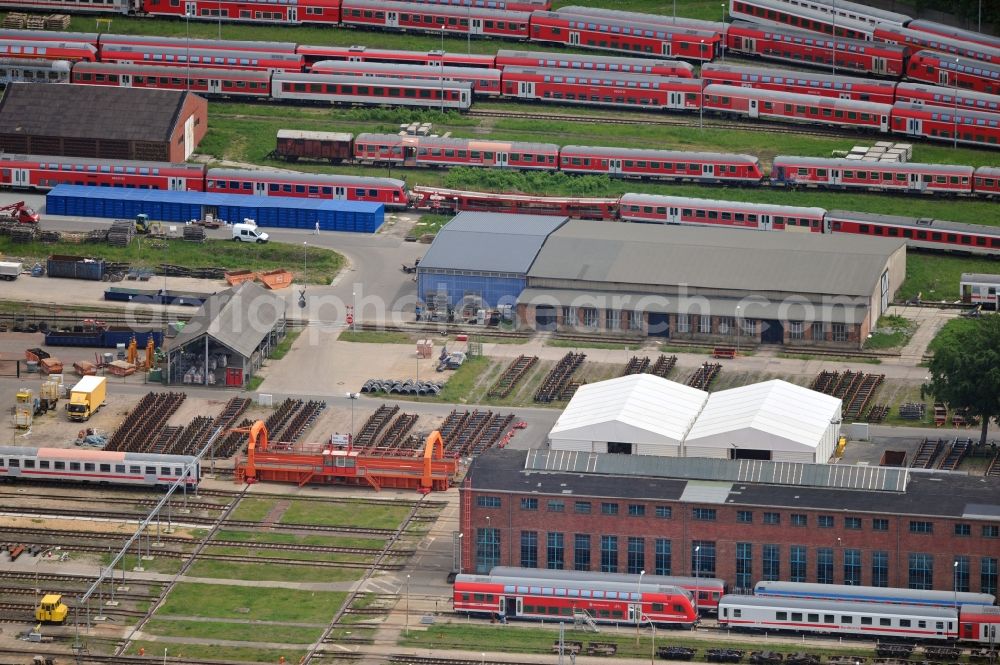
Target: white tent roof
776, 408
639, 408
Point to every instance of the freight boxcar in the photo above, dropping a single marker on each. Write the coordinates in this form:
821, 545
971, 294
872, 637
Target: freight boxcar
334, 147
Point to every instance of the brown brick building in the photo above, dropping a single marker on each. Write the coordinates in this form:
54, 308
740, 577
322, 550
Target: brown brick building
741, 521
101, 122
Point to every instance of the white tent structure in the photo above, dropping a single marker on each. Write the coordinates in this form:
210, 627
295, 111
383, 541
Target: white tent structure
773, 420
639, 414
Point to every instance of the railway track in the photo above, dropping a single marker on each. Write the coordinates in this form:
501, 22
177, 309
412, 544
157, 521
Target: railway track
84, 658
144, 503
25, 591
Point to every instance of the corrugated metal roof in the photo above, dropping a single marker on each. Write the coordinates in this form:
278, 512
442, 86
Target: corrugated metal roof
240, 318
839, 476
489, 242
703, 257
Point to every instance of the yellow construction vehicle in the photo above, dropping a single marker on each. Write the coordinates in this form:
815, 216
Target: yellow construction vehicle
51, 609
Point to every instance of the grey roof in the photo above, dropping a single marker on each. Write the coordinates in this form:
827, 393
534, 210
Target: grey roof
714, 258
926, 494
240, 318
182, 42
988, 171
348, 79
981, 278
490, 242
893, 167
796, 98
642, 18
664, 155
98, 112
629, 79
912, 222
948, 94
924, 25
457, 143
969, 66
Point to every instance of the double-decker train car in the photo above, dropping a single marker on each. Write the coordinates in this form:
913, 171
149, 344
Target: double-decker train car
387, 191
24, 49
782, 14
313, 54
844, 9
438, 151
43, 172
811, 49
435, 18
602, 89
804, 83
485, 82
940, 69
174, 56
625, 35
198, 44
936, 95
97, 466
872, 620
645, 19
593, 63
282, 12
917, 40
661, 164
923, 233
605, 597
942, 30
234, 83
941, 123
872, 176
381, 91
653, 208
870, 594
452, 200
511, 5
15, 70
790, 107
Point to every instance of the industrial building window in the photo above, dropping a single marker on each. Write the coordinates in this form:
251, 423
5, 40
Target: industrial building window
880, 524
555, 551
609, 508
613, 319
799, 519
991, 531
725, 325
852, 567
962, 573
703, 557
636, 555
988, 575
963, 529
590, 319
664, 512
488, 501
683, 323
662, 553
796, 330
852, 523
635, 320
704, 324
825, 521
921, 527
705, 514
487, 549
880, 569
772, 563
636, 510
798, 564
582, 507
529, 549
817, 331
744, 516
529, 503
557, 506
772, 518
839, 332
609, 554
921, 574
824, 565
581, 551
744, 566
569, 316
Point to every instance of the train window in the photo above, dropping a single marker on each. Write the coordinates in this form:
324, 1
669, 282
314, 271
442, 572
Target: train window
43, 464
846, 619
657, 607
151, 470
14, 463
105, 468
727, 216
700, 214
119, 468
29, 464
797, 616
921, 624
814, 618
135, 469
60, 466
781, 616
74, 466
739, 217
178, 470
866, 621
89, 466
828, 618
904, 623
713, 214
936, 236
884, 621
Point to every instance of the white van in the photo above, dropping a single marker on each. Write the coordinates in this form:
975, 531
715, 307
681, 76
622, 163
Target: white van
248, 233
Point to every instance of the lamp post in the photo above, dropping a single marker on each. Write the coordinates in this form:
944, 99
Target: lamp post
638, 600
461, 536
701, 94
738, 330
187, 48
353, 397
833, 36
840, 546
164, 655
697, 575
305, 246
955, 583
406, 629
442, 68
954, 116
652, 646
723, 33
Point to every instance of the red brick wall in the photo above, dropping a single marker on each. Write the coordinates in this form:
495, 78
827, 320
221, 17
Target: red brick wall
193, 106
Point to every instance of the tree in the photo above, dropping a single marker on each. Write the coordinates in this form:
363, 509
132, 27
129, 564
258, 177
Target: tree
965, 373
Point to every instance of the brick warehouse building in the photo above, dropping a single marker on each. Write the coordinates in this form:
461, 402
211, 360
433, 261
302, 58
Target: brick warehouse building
101, 122
743, 521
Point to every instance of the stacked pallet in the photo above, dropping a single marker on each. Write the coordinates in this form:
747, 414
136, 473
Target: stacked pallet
57, 22
121, 233
35, 22
15, 20
194, 233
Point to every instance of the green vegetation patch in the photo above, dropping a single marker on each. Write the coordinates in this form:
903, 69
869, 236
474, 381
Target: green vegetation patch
891, 332
311, 539
946, 337
219, 652
463, 380
285, 345
241, 632
832, 359
613, 346
375, 337
272, 572
252, 603
936, 277
254, 510
377, 516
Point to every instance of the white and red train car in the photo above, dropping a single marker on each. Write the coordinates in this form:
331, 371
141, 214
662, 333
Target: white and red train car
97, 466
593, 63
605, 597
918, 40
234, 83
388, 191
16, 70
811, 49
942, 30
435, 18
484, 82
602, 89
924, 233
452, 200
438, 151
942, 123
287, 12
939, 95
800, 82
940, 69
42, 172
872, 176
661, 164
777, 13
375, 91
313, 54
790, 107
179, 56
986, 181
656, 209
844, 9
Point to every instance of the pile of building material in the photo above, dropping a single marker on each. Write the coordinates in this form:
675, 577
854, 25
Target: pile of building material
193, 233
15, 20
883, 151
121, 233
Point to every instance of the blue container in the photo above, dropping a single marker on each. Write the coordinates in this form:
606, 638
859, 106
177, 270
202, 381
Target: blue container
75, 267
104, 339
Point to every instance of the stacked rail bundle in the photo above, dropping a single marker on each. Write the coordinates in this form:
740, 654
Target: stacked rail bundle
663, 366
863, 394
558, 377
855, 389
121, 233
277, 421
704, 376
140, 428
194, 436
228, 442
232, 441
824, 381
301, 420
495, 431
376, 422
912, 410
509, 378
940, 414
877, 413
169, 437
393, 436
993, 470
959, 449
927, 453
636, 365
471, 432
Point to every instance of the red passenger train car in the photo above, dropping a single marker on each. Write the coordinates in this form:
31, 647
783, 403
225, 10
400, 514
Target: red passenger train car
651, 208
940, 69
200, 44
872, 176
485, 82
235, 83
323, 12
939, 95
602, 89
438, 151
604, 597
783, 14
917, 40
510, 5
987, 181
662, 164
979, 623
313, 54
451, 200
924, 233
804, 83
593, 63
388, 191
45, 172
806, 48
942, 123
373, 91
942, 30
47, 50
790, 107
435, 18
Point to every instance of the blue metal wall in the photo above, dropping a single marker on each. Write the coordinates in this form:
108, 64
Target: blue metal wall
493, 290
175, 206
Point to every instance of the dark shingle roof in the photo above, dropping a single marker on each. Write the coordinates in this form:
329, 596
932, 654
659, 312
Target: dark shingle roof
90, 112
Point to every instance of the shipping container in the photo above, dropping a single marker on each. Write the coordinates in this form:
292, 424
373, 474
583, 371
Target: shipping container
75, 267
104, 339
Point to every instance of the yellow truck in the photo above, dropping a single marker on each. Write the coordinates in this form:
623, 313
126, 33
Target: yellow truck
51, 609
86, 397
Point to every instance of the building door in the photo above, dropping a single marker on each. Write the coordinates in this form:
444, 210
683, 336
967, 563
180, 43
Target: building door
659, 324
772, 332
234, 376
884, 291
545, 318
392, 19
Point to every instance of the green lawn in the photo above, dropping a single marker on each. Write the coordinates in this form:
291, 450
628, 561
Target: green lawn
311, 539
462, 380
229, 570
216, 652
243, 632
253, 510
946, 335
892, 332
378, 516
252, 603
936, 277
285, 345
375, 337
573, 344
